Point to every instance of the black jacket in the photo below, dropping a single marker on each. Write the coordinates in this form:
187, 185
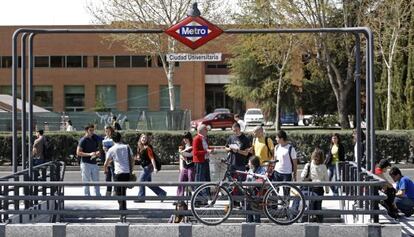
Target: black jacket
341, 152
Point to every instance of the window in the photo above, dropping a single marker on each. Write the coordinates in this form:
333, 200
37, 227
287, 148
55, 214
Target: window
57, 61
41, 61
7, 90
165, 97
43, 96
141, 61
74, 61
106, 61
122, 61
74, 98
137, 97
159, 62
105, 98
7, 61
85, 61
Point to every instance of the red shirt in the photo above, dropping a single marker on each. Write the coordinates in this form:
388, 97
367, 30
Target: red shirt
378, 171
198, 149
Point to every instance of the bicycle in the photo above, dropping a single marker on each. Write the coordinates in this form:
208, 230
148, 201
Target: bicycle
212, 203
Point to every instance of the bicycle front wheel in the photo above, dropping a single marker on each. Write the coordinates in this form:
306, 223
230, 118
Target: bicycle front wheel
284, 205
211, 204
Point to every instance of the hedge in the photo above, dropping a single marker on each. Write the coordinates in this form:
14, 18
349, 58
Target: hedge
394, 145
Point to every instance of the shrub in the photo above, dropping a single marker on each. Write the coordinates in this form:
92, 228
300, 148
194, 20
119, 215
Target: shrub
394, 145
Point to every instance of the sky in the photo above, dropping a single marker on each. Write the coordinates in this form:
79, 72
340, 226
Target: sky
44, 12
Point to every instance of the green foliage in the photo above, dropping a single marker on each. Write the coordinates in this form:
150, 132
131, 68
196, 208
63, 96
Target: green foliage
393, 145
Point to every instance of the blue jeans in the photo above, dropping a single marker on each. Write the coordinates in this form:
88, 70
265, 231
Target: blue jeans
333, 171
109, 177
202, 173
146, 176
282, 177
405, 205
90, 172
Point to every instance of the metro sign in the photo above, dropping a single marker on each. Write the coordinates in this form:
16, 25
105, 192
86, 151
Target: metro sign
194, 31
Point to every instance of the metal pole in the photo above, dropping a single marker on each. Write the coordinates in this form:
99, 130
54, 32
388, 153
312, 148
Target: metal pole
371, 99
358, 101
23, 93
14, 94
31, 38
367, 106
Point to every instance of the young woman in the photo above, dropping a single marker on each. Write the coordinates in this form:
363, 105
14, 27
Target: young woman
316, 171
254, 167
107, 143
145, 154
336, 154
187, 171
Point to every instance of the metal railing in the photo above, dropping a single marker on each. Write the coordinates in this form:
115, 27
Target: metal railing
51, 193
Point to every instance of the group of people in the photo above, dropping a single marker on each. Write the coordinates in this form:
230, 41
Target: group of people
243, 154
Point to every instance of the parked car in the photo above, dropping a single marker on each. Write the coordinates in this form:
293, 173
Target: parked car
253, 116
215, 120
221, 110
289, 118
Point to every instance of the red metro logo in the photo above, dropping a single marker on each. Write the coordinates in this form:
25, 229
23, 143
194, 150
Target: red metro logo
194, 31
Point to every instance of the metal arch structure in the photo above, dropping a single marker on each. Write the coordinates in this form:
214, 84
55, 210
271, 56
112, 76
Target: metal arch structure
27, 71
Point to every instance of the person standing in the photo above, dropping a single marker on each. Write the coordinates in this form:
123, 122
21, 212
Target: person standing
238, 147
316, 171
336, 155
145, 155
88, 151
38, 150
121, 156
285, 154
254, 168
240, 122
404, 198
107, 143
69, 127
262, 146
115, 124
187, 172
201, 154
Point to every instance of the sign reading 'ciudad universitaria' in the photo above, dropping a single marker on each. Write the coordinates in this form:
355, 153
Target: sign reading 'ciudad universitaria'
185, 57
194, 31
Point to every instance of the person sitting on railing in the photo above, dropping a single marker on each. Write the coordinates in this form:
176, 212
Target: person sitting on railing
316, 171
404, 198
121, 156
388, 189
255, 168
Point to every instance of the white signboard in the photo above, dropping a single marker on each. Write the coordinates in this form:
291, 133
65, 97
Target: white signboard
186, 57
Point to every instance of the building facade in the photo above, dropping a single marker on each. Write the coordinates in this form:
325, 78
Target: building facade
83, 72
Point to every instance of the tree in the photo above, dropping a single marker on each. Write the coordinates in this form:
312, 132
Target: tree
334, 53
152, 14
390, 21
260, 62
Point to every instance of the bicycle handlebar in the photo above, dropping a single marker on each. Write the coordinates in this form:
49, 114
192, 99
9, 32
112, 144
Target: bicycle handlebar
263, 176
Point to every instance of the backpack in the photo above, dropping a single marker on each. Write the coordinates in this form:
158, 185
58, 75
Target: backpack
157, 161
269, 151
290, 154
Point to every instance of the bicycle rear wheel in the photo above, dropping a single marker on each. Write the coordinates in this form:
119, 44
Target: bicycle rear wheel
211, 204
284, 205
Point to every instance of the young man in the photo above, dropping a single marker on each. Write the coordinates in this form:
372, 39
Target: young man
88, 151
240, 122
262, 147
285, 154
38, 148
115, 124
404, 199
238, 147
122, 157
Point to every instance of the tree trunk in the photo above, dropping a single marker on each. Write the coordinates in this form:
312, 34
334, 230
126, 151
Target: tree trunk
389, 80
279, 87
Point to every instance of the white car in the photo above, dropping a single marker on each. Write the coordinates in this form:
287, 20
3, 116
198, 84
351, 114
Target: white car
254, 116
